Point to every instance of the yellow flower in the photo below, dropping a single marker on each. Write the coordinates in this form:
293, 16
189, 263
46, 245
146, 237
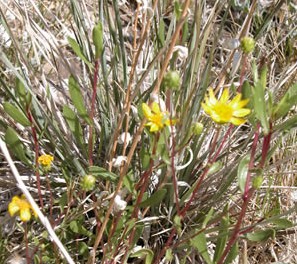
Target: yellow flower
20, 204
156, 119
225, 111
46, 161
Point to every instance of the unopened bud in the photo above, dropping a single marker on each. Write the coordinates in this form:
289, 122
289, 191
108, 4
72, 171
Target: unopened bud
247, 44
88, 182
172, 80
197, 128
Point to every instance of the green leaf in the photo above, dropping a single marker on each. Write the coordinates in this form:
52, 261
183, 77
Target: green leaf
215, 167
78, 228
207, 217
77, 99
282, 223
128, 182
16, 114
261, 235
222, 238
74, 124
199, 242
161, 32
102, 173
74, 226
169, 255
12, 140
63, 201
242, 172
78, 51
286, 103
98, 40
83, 248
232, 254
156, 198
259, 98
146, 253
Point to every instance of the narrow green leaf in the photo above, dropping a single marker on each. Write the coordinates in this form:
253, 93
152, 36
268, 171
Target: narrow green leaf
146, 253
77, 99
222, 238
20, 87
102, 173
74, 124
286, 103
74, 226
259, 99
156, 198
16, 114
261, 235
161, 32
207, 217
98, 40
282, 223
232, 254
12, 140
242, 171
78, 51
83, 248
199, 242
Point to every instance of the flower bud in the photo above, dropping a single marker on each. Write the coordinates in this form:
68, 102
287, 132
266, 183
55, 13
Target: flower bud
247, 44
197, 128
88, 182
257, 182
172, 80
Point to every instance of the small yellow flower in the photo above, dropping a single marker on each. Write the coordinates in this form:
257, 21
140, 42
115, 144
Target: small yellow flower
156, 119
20, 204
225, 111
46, 161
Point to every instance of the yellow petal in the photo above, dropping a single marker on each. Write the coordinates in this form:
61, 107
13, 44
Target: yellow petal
241, 112
25, 215
146, 110
237, 121
225, 96
212, 98
13, 208
206, 108
154, 128
156, 108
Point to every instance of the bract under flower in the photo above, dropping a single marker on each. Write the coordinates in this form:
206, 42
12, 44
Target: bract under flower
225, 111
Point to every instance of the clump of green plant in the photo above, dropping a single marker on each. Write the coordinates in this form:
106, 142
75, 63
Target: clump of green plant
156, 149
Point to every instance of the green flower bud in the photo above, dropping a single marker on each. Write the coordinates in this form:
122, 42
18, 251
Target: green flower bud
172, 80
247, 44
197, 128
257, 182
88, 182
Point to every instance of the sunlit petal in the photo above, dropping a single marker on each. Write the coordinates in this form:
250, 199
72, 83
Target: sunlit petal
225, 96
241, 112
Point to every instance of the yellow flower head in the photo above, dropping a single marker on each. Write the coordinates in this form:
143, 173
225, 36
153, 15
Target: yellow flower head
156, 119
46, 161
225, 111
21, 205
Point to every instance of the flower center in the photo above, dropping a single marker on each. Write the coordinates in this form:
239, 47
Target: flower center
224, 111
158, 120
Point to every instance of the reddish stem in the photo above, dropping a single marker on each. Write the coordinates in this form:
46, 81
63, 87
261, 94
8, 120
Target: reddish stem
92, 112
36, 146
246, 198
188, 204
266, 146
